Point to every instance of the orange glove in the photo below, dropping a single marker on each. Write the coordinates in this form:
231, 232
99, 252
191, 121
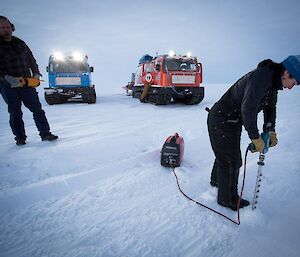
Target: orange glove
29, 82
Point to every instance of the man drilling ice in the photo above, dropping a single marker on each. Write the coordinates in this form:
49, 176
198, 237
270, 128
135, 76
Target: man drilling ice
239, 106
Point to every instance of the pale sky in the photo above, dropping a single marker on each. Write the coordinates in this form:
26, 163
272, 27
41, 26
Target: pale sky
229, 37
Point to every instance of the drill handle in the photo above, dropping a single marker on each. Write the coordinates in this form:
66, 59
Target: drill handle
265, 136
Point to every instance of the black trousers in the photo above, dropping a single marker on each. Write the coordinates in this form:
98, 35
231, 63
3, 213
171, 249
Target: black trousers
14, 97
225, 136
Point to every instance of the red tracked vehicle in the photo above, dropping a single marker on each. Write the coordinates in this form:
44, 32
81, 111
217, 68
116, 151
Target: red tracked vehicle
168, 78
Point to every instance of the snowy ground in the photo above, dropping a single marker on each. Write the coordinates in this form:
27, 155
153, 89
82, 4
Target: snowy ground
100, 190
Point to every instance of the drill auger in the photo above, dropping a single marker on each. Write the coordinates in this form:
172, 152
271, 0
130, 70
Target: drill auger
266, 138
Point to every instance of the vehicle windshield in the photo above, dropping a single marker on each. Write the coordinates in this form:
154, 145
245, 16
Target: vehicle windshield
173, 64
68, 67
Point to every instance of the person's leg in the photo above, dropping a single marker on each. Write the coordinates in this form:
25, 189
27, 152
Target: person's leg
31, 101
214, 175
12, 97
233, 188
220, 173
225, 140
235, 164
223, 184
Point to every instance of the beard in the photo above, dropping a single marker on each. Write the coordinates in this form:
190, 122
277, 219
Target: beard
6, 36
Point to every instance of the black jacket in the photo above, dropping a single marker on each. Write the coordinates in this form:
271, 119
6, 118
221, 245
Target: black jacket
16, 59
254, 92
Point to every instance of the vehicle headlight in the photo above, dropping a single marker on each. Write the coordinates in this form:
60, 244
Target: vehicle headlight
78, 56
58, 56
171, 53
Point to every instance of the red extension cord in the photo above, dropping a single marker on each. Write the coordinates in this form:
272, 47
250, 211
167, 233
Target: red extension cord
238, 204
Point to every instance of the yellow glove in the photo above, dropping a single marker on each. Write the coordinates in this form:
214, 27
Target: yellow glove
259, 145
273, 138
29, 82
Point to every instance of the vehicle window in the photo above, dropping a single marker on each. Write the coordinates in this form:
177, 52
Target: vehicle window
180, 65
68, 67
148, 67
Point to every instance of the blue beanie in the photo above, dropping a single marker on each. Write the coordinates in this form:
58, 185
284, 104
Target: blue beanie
292, 65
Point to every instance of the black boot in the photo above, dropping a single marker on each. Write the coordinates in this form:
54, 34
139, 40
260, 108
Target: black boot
233, 206
49, 137
227, 193
243, 203
20, 141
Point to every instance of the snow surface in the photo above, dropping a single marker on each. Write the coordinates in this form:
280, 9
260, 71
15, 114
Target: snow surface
100, 190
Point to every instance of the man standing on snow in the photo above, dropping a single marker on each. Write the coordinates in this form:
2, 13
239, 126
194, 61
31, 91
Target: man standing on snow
239, 106
16, 60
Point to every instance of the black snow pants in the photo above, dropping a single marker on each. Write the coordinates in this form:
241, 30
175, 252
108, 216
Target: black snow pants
225, 127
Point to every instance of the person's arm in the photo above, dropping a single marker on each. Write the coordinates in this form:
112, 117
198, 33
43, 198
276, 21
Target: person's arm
257, 85
32, 63
270, 117
270, 111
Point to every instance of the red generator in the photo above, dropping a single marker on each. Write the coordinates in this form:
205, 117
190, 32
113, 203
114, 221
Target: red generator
172, 151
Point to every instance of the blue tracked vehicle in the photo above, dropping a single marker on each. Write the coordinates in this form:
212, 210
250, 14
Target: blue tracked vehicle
69, 79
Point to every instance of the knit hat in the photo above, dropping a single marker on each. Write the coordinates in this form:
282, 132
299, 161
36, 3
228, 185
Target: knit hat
292, 65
